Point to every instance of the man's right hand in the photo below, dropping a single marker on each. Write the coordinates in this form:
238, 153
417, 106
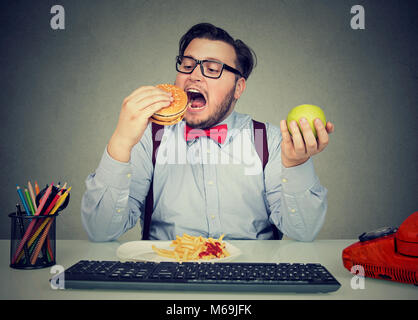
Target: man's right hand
134, 116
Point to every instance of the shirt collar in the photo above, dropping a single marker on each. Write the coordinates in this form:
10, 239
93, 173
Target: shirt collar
232, 123
235, 122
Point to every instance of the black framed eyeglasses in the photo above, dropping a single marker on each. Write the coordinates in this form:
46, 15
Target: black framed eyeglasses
210, 68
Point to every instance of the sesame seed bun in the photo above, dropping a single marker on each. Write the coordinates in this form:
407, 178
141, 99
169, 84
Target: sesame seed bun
175, 111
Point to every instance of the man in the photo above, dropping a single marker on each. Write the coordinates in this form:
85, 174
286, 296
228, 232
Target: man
211, 187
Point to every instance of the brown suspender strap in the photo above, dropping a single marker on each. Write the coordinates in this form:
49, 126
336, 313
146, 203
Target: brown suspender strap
149, 200
261, 146
260, 142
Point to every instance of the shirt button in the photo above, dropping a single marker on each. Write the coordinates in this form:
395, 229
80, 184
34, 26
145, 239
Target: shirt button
284, 180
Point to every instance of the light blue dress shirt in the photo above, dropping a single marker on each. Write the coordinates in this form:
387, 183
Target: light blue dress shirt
205, 188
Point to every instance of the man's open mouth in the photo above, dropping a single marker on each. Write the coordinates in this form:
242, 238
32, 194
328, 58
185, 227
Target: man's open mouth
196, 99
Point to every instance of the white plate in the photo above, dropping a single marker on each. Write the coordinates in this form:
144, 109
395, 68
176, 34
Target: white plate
142, 251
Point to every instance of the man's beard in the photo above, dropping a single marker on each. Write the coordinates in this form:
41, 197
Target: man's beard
219, 114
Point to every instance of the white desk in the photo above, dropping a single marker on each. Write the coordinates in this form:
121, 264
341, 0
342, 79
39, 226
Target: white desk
34, 284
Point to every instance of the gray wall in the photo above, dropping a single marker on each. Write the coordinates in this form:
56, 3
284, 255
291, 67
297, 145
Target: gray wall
61, 91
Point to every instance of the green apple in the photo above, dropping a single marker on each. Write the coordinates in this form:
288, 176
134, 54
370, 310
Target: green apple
308, 111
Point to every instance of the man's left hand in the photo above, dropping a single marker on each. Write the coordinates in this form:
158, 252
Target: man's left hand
300, 146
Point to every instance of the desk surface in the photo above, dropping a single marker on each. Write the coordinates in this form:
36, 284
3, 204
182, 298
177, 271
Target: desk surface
34, 284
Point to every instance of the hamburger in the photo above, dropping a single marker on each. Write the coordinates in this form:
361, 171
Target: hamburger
175, 111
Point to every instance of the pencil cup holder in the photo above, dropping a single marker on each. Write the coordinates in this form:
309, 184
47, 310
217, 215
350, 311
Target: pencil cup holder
32, 241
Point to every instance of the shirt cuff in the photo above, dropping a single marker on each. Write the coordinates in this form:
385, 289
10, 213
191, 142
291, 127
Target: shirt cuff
113, 173
299, 178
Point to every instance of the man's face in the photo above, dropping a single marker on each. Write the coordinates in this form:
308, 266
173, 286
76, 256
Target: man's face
217, 96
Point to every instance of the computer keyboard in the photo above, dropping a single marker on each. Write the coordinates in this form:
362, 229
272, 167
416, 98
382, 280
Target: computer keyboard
204, 276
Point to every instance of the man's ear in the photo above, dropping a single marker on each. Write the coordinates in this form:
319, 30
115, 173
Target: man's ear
239, 88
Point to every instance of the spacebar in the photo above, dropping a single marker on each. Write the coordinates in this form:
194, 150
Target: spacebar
255, 282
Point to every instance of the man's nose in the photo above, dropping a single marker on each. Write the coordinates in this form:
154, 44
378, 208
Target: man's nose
196, 75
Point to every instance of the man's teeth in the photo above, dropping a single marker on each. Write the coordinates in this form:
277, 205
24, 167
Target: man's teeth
193, 90
193, 96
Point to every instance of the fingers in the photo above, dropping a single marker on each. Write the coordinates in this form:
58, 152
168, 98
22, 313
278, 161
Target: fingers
145, 90
298, 142
322, 133
153, 92
287, 139
146, 96
144, 102
330, 127
152, 108
308, 136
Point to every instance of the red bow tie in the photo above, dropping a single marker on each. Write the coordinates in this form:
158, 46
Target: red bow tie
217, 133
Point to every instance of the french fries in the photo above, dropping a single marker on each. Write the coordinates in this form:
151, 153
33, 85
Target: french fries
190, 248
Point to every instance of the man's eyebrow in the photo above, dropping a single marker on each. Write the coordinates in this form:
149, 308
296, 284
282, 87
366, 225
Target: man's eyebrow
205, 58
216, 59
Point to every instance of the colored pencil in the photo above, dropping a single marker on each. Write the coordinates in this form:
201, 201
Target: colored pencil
22, 199
43, 200
23, 241
22, 230
34, 236
60, 201
40, 243
36, 188
29, 201
52, 204
38, 231
51, 254
32, 195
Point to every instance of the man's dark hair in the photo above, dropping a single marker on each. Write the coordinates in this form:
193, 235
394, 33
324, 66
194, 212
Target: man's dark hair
246, 58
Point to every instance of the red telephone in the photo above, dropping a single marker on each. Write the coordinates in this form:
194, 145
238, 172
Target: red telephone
387, 253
